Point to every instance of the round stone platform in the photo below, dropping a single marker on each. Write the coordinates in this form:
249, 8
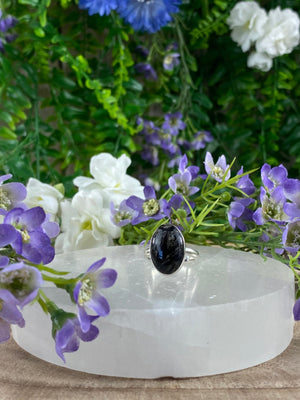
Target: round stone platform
226, 310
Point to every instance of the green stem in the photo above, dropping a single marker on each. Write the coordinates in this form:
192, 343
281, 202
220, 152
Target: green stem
59, 281
205, 10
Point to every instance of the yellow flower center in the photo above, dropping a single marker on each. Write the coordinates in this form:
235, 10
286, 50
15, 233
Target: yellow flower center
151, 207
86, 291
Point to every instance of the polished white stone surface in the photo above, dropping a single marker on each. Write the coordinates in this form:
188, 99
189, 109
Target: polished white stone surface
226, 310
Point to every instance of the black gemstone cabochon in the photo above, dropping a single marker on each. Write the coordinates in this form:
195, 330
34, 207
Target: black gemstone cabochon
167, 249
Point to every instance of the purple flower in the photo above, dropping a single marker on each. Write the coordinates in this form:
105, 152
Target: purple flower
9, 314
86, 292
145, 15
292, 192
245, 183
67, 339
150, 208
22, 280
171, 60
11, 194
123, 215
7, 23
273, 177
193, 169
173, 123
291, 237
146, 70
296, 310
219, 171
200, 140
273, 205
101, 7
180, 184
238, 213
150, 154
31, 242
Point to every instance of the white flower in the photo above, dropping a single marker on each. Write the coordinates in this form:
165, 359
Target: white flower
247, 20
43, 195
110, 175
281, 33
85, 223
260, 61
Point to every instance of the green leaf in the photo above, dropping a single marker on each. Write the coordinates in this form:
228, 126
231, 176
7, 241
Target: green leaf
6, 133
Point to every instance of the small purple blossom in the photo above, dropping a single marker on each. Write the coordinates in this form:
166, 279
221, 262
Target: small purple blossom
101, 7
291, 190
180, 184
86, 292
146, 70
296, 310
193, 169
148, 208
219, 171
171, 61
238, 213
199, 141
9, 314
11, 194
173, 123
291, 237
272, 206
31, 242
273, 177
6, 24
245, 183
123, 215
22, 280
67, 339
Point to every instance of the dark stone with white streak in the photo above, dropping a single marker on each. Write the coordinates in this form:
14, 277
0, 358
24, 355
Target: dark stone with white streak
167, 249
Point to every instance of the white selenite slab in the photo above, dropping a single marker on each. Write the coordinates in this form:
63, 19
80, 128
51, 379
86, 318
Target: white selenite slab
225, 311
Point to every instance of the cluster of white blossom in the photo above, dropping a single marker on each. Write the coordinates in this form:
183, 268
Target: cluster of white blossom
85, 219
268, 35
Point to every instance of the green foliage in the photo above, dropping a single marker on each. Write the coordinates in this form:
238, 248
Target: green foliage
69, 89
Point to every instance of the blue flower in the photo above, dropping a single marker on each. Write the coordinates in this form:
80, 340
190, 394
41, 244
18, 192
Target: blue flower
148, 15
100, 7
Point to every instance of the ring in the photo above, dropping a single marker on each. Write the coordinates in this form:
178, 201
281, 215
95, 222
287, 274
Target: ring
167, 249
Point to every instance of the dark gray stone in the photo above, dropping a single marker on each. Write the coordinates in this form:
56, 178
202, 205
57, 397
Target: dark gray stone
167, 248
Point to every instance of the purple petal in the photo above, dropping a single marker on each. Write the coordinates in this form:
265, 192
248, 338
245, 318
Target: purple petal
17, 191
4, 330
4, 178
76, 291
33, 218
92, 333
183, 163
106, 278
99, 304
8, 234
292, 190
96, 265
134, 202
51, 229
172, 183
149, 192
296, 310
84, 319
258, 217
292, 210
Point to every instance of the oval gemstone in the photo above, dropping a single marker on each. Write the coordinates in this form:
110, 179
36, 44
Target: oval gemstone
167, 248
